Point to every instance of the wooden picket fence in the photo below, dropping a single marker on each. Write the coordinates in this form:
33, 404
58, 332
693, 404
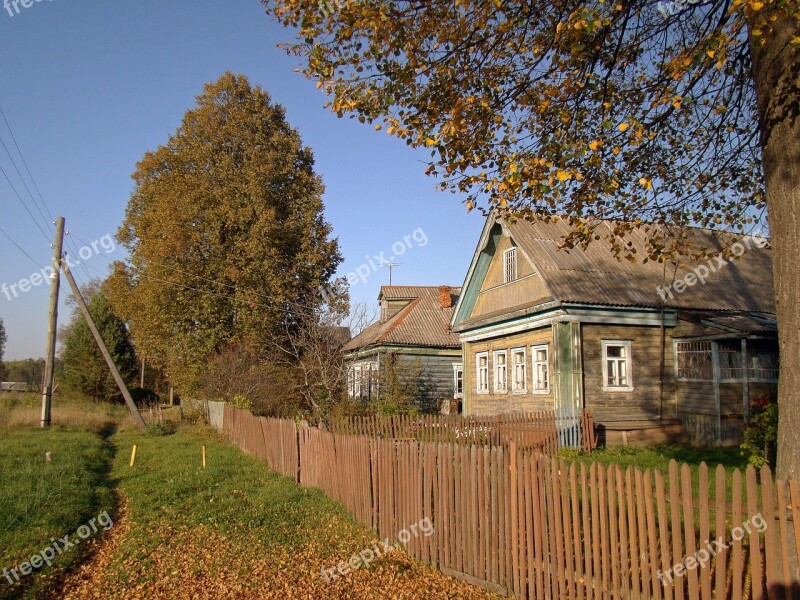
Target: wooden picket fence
272, 440
518, 522
536, 429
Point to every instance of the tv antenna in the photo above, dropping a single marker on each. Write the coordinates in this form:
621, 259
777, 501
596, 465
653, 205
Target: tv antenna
390, 266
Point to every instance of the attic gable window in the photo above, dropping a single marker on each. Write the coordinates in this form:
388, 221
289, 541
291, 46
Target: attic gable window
510, 265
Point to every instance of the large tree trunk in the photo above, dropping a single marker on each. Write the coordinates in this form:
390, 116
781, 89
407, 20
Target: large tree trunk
776, 70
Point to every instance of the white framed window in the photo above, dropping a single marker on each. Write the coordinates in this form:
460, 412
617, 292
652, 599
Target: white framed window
500, 371
509, 265
482, 372
458, 381
540, 361
518, 379
617, 366
355, 381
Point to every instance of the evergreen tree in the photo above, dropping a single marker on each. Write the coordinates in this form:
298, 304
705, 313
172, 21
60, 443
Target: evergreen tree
82, 365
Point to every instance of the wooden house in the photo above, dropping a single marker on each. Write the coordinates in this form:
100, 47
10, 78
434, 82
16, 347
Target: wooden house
412, 338
653, 352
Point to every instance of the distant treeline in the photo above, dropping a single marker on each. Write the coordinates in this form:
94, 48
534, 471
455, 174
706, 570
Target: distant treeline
29, 370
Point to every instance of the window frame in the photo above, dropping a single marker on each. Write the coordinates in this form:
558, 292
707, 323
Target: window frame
478, 356
495, 377
534, 370
458, 368
710, 353
628, 358
514, 365
509, 277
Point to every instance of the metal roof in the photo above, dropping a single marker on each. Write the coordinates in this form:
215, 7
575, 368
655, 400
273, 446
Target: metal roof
422, 322
596, 276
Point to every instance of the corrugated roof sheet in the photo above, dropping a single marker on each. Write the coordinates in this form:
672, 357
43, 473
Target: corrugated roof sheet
423, 322
596, 276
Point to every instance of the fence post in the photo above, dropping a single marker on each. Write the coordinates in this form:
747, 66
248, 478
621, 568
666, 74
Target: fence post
512, 490
297, 433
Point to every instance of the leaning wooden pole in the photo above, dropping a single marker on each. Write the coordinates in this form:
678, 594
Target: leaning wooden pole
100, 344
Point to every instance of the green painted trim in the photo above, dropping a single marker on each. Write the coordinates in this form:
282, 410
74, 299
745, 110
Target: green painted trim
472, 288
563, 340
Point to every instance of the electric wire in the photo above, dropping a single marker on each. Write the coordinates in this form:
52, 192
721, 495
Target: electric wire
25, 163
51, 221
20, 248
24, 205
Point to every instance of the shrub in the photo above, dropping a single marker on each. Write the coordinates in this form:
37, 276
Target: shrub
760, 444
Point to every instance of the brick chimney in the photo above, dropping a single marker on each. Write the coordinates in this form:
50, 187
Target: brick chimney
445, 298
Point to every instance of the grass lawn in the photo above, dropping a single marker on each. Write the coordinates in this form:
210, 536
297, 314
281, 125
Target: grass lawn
234, 529
40, 501
659, 457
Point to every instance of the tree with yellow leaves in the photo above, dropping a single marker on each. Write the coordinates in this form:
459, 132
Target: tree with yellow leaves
225, 232
674, 113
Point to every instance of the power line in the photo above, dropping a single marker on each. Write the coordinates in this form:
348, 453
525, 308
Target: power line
24, 205
22, 179
24, 162
33, 181
20, 248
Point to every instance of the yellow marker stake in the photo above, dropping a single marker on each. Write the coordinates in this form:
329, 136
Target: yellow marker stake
204, 456
133, 455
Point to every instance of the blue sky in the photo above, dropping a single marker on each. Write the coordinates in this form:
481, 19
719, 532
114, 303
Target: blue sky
89, 86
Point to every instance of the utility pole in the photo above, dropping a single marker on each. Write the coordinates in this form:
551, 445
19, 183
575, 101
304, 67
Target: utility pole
52, 327
100, 344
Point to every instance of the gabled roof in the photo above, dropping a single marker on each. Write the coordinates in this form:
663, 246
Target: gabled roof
595, 276
421, 323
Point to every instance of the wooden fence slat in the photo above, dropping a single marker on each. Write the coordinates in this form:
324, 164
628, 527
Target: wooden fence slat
677, 536
720, 558
689, 532
704, 568
641, 526
576, 532
624, 552
770, 543
613, 525
548, 528
527, 553
566, 528
588, 536
737, 559
539, 535
633, 533
753, 547
650, 516
604, 534
780, 494
558, 540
